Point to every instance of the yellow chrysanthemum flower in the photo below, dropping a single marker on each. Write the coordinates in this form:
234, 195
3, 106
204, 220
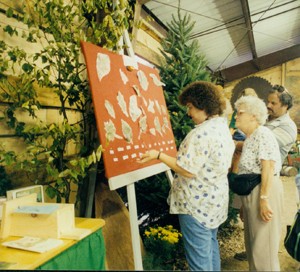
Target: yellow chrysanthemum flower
167, 233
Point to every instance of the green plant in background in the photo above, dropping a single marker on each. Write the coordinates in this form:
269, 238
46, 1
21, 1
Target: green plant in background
55, 29
163, 248
182, 64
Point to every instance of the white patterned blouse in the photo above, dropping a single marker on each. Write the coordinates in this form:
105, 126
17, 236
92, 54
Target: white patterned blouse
206, 152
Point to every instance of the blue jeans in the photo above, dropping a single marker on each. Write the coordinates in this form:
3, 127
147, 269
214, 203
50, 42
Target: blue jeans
200, 244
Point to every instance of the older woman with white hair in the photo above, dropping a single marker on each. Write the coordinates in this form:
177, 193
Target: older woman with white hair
262, 208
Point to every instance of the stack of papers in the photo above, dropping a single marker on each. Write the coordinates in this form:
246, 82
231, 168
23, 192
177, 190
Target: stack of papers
34, 244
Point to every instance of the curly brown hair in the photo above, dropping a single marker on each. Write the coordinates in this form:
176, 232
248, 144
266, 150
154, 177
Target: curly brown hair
204, 96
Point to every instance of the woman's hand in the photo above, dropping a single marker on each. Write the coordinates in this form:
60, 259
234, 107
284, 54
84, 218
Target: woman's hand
266, 211
171, 162
148, 156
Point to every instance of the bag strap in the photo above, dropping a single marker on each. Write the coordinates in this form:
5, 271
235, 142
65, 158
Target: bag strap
295, 220
296, 247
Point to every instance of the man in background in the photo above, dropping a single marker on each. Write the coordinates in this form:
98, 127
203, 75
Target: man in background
280, 122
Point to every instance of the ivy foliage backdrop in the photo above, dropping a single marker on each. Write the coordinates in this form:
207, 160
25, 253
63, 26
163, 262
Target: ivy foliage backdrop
54, 29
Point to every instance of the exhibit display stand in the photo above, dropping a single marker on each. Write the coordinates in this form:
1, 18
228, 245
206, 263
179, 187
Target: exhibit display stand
25, 216
132, 118
47, 236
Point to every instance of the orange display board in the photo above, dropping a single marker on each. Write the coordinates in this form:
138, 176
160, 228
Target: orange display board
130, 110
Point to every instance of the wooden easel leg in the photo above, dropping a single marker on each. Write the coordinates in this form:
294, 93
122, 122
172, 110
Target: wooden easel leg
135, 236
91, 191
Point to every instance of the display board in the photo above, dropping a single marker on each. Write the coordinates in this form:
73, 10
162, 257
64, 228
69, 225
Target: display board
131, 113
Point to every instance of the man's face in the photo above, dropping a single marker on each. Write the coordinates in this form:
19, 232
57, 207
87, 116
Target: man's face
275, 108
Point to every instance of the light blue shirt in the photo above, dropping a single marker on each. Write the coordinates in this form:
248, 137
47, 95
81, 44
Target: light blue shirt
285, 131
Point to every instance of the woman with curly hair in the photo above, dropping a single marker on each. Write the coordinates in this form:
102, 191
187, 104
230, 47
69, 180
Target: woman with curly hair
199, 193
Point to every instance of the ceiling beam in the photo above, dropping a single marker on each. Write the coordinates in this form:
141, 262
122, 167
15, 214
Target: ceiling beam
261, 63
156, 19
247, 16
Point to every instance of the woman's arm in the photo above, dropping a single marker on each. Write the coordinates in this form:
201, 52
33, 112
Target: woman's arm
166, 159
236, 156
267, 176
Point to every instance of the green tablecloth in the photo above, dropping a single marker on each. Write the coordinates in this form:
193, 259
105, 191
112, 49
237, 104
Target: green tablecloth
87, 254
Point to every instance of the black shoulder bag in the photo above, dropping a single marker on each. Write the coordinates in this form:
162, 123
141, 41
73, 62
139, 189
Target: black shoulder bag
243, 184
292, 238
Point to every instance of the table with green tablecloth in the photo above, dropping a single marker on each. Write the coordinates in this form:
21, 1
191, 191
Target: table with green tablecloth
84, 254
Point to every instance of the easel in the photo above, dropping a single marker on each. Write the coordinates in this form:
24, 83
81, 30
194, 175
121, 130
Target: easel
120, 174
129, 179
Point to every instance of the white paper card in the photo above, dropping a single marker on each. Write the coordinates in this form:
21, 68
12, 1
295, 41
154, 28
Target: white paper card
35, 244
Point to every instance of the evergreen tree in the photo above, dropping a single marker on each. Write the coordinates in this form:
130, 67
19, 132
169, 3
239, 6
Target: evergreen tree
182, 64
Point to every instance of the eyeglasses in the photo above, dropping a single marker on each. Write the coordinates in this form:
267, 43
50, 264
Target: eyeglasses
240, 112
280, 88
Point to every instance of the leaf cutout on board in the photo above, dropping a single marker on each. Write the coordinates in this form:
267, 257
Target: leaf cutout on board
102, 65
134, 111
156, 81
143, 80
110, 108
127, 131
122, 103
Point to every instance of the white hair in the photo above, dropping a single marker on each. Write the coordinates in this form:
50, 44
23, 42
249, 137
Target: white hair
254, 106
